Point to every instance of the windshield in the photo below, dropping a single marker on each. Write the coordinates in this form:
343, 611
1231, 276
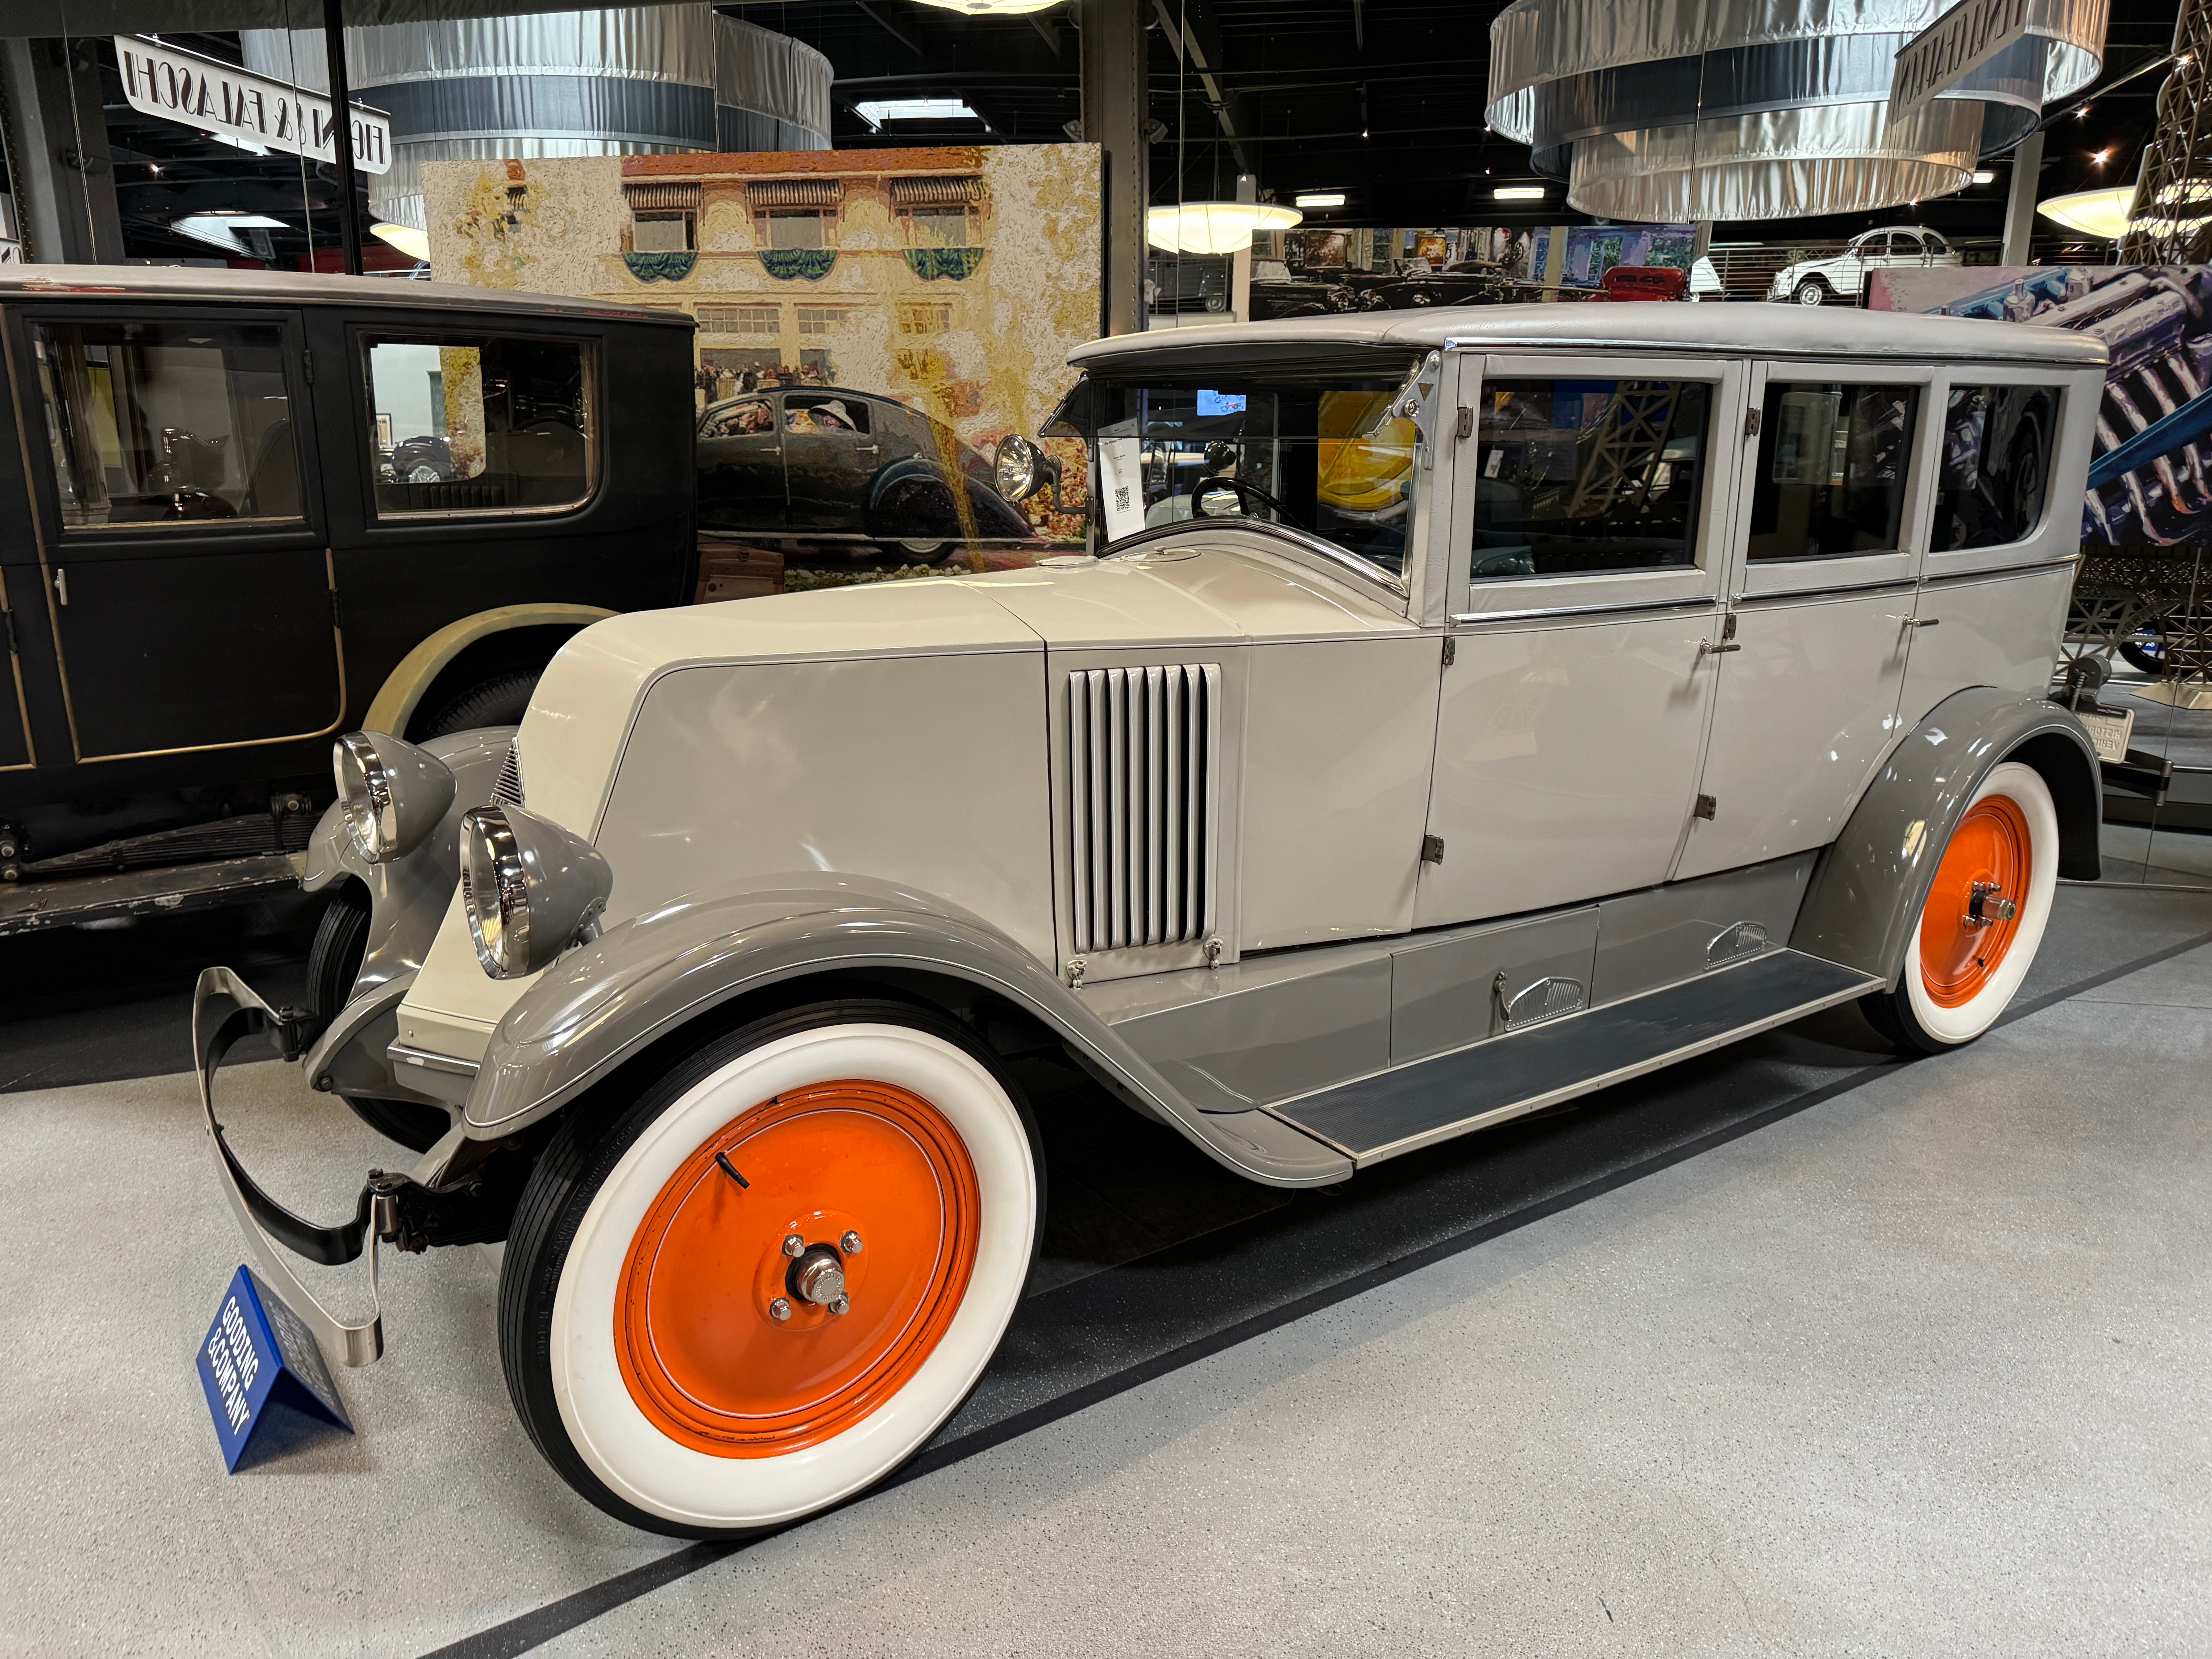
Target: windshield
1333, 454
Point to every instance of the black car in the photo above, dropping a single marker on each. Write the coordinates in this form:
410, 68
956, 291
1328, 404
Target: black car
831, 464
240, 512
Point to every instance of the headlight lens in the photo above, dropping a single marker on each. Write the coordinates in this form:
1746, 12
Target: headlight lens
392, 793
528, 887
1018, 471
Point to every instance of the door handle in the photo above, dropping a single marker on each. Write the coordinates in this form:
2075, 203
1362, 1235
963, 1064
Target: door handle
865, 449
1707, 649
61, 585
1922, 622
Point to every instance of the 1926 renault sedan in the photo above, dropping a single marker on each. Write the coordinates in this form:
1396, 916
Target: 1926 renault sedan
1699, 688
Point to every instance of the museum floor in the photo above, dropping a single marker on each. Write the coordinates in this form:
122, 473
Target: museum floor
1798, 1348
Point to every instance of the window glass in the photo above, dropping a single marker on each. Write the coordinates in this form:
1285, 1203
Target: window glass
167, 423
738, 420
1326, 454
1579, 477
661, 233
1996, 464
804, 413
480, 424
939, 226
1832, 468
795, 227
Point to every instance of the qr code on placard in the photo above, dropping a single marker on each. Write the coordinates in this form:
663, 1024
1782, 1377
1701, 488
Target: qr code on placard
1121, 498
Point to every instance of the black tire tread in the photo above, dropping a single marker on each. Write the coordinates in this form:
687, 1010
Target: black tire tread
499, 700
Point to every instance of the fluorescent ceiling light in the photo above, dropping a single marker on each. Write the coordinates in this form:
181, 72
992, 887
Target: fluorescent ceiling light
1214, 226
414, 244
993, 8
877, 111
221, 229
1985, 177
1517, 193
1326, 199
2102, 213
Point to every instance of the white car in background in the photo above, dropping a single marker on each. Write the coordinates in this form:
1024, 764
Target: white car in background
1841, 278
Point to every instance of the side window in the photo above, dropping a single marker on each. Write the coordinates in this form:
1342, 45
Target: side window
825, 414
740, 419
150, 423
1831, 467
480, 424
1579, 477
1996, 464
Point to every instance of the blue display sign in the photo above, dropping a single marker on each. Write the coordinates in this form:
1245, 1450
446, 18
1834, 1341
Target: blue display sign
1220, 402
257, 1354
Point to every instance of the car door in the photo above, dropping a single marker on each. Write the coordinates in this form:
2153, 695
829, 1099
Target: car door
829, 455
1589, 515
187, 581
741, 476
1820, 603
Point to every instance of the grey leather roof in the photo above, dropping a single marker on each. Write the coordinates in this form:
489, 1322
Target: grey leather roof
1741, 328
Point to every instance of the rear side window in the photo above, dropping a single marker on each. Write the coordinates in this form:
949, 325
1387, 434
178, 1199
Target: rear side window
1997, 465
480, 424
1833, 460
816, 412
1584, 478
172, 422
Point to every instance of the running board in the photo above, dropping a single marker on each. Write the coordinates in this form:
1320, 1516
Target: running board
1430, 1100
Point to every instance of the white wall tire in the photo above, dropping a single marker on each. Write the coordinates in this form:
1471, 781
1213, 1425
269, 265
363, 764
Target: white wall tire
1957, 980
595, 1380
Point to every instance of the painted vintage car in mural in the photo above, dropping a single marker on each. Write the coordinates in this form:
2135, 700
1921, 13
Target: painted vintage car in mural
831, 465
1669, 717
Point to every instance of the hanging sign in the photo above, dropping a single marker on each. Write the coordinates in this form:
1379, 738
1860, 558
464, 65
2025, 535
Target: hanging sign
259, 1354
1951, 48
229, 102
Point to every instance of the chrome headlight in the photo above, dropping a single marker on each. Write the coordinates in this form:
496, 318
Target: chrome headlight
1018, 471
528, 887
393, 793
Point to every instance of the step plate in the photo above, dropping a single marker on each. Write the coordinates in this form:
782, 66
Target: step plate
1395, 1111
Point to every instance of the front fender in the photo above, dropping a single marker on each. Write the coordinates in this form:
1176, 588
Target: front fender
408, 899
1872, 881
644, 978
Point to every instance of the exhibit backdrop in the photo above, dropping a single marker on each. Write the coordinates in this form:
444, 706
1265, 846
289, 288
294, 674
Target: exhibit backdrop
952, 280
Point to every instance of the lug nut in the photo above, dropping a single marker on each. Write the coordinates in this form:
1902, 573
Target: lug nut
794, 1245
850, 1243
843, 1304
779, 1308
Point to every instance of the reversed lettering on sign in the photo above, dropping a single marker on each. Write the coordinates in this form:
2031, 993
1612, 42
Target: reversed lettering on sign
1951, 48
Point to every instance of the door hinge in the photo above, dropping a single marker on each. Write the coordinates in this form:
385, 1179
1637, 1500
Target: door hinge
307, 364
1465, 428
1433, 849
15, 648
1451, 650
1705, 808
1751, 423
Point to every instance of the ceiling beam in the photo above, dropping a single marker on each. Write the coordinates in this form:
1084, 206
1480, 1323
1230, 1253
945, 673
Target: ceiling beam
1195, 36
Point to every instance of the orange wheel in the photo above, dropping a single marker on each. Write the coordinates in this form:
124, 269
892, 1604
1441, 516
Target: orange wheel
1967, 925
760, 1284
725, 1342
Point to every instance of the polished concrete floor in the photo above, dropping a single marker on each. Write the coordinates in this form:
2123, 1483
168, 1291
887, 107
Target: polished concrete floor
1797, 1350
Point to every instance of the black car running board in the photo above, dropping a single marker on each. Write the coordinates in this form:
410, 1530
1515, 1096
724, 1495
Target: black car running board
1412, 1105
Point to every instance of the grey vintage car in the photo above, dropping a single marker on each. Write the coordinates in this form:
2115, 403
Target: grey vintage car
1670, 719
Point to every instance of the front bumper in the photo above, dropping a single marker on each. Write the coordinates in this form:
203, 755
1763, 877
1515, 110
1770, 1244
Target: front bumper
224, 1010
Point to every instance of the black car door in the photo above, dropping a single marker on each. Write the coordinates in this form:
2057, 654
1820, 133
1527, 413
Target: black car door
178, 523
741, 486
829, 455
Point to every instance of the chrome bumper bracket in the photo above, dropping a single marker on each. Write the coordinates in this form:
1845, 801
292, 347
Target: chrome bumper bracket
224, 1010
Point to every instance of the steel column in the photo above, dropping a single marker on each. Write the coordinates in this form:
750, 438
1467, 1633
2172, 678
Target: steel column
1114, 117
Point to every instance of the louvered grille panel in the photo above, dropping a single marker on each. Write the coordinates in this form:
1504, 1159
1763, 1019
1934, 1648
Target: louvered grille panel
1143, 764
508, 789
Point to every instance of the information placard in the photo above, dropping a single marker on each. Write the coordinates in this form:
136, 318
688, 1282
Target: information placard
258, 1354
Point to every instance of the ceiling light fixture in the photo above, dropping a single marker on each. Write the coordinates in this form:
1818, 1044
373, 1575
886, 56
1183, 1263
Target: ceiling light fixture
876, 111
414, 244
1985, 177
1517, 193
2100, 213
1214, 226
993, 8
1334, 198
2100, 158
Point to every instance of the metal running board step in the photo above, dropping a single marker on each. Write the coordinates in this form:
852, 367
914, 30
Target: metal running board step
1429, 1100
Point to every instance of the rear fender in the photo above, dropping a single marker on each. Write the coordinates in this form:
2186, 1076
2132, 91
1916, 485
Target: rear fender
644, 979
1871, 883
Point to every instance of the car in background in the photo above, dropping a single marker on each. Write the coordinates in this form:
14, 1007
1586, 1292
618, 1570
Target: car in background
1706, 280
1840, 278
831, 464
1186, 282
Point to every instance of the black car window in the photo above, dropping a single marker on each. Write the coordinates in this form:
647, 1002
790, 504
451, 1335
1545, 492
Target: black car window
824, 412
1587, 477
1832, 469
155, 424
1997, 465
480, 423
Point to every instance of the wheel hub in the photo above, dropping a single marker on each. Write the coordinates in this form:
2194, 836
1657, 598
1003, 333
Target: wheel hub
818, 1276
